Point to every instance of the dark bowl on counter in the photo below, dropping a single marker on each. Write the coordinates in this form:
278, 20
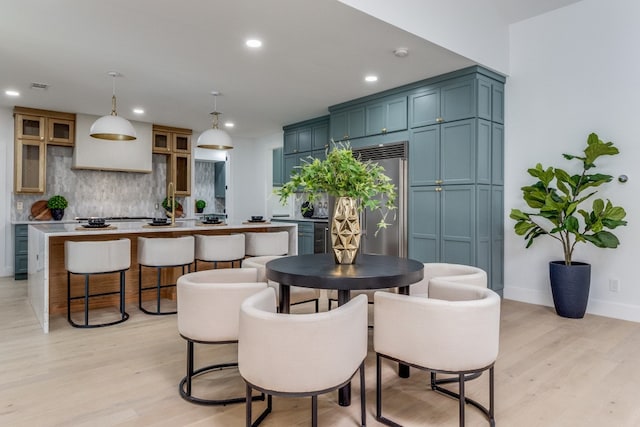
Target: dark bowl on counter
256, 218
159, 220
96, 221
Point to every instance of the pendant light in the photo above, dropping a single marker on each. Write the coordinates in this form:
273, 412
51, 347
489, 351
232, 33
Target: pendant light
214, 138
112, 127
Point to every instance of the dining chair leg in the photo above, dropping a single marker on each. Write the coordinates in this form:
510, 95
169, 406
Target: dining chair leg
248, 405
314, 411
363, 397
461, 400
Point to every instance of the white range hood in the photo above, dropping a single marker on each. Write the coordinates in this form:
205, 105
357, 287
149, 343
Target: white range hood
99, 154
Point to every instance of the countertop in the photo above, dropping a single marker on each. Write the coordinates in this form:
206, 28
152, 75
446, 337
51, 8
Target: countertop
70, 228
301, 219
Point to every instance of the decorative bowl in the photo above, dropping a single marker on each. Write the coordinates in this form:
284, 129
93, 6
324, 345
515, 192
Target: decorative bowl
256, 218
96, 221
159, 220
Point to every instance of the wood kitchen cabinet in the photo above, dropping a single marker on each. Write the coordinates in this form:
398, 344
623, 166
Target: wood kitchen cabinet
34, 130
175, 143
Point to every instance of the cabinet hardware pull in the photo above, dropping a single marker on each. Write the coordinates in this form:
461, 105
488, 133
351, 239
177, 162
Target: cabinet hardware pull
439, 120
438, 181
384, 130
345, 136
42, 138
438, 189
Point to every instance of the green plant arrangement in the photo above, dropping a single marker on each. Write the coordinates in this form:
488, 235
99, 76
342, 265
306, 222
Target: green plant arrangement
556, 199
343, 175
166, 203
57, 202
200, 204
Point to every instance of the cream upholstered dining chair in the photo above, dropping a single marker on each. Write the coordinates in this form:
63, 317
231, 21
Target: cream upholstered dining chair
298, 294
300, 354
208, 311
462, 337
458, 273
228, 248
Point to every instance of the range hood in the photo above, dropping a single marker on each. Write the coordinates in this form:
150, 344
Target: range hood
98, 154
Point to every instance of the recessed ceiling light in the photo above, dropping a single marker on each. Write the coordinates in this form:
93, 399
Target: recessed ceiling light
229, 124
138, 110
255, 43
371, 78
10, 92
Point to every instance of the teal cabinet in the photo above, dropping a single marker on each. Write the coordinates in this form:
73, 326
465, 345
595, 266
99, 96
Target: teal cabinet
277, 167
450, 153
21, 251
348, 124
388, 115
301, 141
220, 183
320, 136
290, 162
497, 154
443, 102
305, 238
442, 224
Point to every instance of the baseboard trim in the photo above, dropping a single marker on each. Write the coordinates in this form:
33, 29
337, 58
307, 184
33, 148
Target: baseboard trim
596, 306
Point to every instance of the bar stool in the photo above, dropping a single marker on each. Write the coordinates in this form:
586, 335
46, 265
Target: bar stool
89, 258
159, 253
261, 244
223, 248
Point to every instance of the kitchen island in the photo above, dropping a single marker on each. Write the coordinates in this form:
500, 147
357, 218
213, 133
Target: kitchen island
47, 278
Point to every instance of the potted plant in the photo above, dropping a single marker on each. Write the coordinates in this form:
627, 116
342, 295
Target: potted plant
57, 205
166, 204
356, 185
200, 205
557, 199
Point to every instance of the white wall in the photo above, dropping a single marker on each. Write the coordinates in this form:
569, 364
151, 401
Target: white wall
575, 71
472, 28
6, 187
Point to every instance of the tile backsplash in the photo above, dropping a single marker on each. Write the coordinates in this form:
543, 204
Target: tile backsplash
99, 193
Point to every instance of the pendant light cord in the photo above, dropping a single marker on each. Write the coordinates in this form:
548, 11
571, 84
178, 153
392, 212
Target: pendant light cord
113, 98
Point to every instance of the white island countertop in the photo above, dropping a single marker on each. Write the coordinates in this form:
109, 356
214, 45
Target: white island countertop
46, 262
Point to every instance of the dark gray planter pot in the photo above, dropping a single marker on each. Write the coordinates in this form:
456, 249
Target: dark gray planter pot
57, 214
570, 288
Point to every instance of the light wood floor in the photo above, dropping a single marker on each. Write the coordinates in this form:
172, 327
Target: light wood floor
551, 372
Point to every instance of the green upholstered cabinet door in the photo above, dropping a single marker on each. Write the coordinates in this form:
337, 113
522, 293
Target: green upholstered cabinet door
457, 152
276, 155
424, 155
424, 224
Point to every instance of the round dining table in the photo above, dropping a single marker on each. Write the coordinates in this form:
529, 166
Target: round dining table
320, 271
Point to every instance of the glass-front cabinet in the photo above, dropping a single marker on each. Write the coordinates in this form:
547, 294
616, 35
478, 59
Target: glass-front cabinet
175, 143
34, 130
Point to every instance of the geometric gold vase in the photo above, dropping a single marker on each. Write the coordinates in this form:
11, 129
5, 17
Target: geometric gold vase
345, 230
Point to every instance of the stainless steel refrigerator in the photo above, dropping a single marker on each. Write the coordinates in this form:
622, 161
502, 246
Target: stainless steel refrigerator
393, 239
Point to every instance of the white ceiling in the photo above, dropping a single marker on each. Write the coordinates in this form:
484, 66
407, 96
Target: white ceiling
172, 54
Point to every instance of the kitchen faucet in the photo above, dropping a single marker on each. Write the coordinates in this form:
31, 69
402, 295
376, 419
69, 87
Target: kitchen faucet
171, 199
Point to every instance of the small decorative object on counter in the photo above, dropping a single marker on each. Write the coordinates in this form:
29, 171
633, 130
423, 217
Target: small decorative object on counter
355, 184
200, 205
307, 209
57, 205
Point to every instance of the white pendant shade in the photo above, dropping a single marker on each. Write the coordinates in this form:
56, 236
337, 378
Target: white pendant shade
215, 139
113, 128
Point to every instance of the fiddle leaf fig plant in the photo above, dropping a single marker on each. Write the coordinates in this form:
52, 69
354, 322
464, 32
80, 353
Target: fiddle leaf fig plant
557, 198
